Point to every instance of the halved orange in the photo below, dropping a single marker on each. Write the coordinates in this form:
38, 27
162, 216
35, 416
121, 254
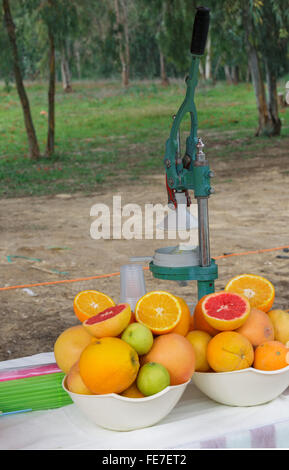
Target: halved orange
183, 325
159, 310
259, 291
89, 303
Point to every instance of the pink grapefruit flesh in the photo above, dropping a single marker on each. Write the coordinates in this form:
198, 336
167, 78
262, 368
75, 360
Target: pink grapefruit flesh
226, 310
110, 322
106, 314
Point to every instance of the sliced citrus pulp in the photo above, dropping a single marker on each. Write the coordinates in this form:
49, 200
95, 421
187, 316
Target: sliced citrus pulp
160, 311
110, 322
225, 310
89, 303
259, 291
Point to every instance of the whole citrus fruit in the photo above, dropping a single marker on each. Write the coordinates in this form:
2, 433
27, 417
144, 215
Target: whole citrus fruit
132, 392
108, 365
271, 355
139, 337
200, 340
176, 354
228, 351
74, 381
257, 328
280, 320
152, 378
69, 345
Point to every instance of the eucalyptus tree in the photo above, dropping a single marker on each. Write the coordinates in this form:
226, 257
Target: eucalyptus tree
34, 151
59, 17
262, 29
266, 44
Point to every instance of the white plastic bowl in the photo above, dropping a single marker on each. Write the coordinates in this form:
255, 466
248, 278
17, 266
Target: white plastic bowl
118, 413
246, 387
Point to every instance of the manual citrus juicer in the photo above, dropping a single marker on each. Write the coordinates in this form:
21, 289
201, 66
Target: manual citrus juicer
191, 172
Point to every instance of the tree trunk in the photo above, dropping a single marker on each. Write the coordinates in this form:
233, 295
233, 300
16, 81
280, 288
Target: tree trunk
228, 74
248, 74
272, 98
265, 125
164, 78
77, 59
235, 74
51, 96
215, 73
126, 41
123, 39
34, 152
65, 72
208, 60
260, 94
201, 71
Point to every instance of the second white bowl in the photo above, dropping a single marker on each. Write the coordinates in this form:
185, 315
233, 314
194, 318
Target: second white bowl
246, 387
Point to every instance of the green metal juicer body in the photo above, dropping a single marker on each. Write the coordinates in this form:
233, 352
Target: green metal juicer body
192, 172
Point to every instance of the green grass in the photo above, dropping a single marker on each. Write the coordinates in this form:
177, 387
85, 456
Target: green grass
107, 134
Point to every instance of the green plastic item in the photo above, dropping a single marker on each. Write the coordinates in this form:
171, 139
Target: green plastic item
205, 275
178, 177
42, 392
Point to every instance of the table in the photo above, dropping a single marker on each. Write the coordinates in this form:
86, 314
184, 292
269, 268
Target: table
195, 423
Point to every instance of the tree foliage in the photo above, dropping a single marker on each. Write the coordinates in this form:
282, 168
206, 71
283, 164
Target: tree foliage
88, 31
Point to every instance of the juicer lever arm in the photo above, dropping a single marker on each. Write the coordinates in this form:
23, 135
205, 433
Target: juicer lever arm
200, 31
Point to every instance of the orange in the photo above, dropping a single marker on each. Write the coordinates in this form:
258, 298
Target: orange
259, 291
90, 302
183, 325
257, 328
228, 351
271, 355
176, 354
159, 310
191, 323
280, 320
69, 345
200, 340
75, 383
108, 365
132, 392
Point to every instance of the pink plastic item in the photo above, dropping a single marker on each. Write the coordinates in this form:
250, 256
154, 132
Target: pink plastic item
28, 371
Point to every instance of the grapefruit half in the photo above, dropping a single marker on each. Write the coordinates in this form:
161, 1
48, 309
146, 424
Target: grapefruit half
110, 322
225, 311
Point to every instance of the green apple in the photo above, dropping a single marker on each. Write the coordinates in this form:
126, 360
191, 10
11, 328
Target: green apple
139, 337
152, 378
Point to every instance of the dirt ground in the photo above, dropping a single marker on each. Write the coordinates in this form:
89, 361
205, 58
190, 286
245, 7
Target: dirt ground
249, 211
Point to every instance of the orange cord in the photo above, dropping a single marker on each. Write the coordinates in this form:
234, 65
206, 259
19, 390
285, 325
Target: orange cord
252, 252
102, 276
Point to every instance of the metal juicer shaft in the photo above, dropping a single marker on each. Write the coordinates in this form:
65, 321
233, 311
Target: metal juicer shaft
204, 239
203, 213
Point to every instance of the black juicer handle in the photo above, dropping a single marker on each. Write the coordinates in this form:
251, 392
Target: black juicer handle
200, 31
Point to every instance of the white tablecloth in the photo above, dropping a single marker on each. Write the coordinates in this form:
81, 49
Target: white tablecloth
195, 423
